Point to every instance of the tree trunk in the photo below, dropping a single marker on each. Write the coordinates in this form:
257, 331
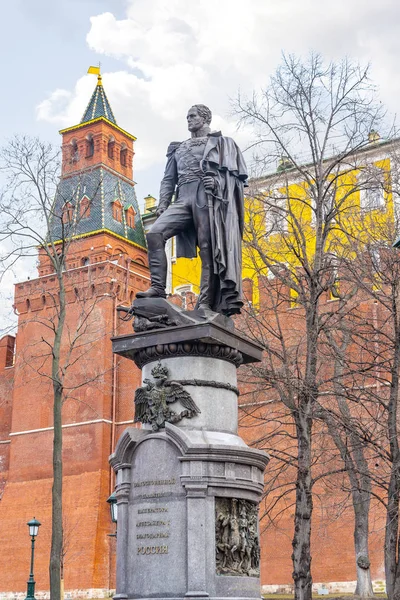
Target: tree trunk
357, 472
301, 556
351, 448
392, 537
392, 570
56, 513
57, 532
361, 530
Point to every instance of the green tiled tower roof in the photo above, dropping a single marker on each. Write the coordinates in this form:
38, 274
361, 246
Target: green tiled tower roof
101, 188
99, 105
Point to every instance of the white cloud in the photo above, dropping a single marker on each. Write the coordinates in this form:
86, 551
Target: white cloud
178, 53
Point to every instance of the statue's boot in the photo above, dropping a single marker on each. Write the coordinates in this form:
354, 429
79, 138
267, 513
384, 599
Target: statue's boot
207, 282
158, 267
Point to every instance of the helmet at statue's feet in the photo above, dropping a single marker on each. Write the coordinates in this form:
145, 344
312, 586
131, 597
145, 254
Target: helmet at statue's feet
206, 310
152, 293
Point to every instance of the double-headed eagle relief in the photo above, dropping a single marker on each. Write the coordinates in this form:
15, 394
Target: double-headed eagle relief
152, 401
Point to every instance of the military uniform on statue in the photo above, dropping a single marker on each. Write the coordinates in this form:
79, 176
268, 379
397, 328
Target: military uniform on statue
207, 174
188, 487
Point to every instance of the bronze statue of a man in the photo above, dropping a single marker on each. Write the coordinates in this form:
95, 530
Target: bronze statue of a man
207, 174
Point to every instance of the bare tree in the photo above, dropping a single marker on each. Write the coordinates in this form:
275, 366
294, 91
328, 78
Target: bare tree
34, 217
375, 358
342, 420
315, 119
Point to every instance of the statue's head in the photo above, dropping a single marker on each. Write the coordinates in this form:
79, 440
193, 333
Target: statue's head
198, 116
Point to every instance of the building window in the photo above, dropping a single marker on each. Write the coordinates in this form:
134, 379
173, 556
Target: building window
89, 146
375, 256
67, 213
123, 155
371, 183
276, 214
333, 273
183, 289
110, 148
117, 211
334, 289
84, 208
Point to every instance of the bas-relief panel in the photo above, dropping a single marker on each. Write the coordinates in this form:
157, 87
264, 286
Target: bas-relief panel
236, 537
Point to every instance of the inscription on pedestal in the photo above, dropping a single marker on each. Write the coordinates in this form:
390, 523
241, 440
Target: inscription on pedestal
236, 537
149, 550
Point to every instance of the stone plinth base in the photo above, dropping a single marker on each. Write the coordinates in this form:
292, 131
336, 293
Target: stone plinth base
169, 488
188, 488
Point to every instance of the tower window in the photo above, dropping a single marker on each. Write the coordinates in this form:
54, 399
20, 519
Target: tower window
110, 148
130, 217
117, 211
74, 152
89, 146
124, 156
84, 211
67, 213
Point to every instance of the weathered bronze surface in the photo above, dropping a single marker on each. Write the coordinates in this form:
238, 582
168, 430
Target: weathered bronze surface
194, 335
236, 537
206, 174
157, 313
152, 402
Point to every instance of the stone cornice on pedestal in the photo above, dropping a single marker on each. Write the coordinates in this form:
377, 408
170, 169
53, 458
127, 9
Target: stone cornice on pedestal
192, 451
187, 340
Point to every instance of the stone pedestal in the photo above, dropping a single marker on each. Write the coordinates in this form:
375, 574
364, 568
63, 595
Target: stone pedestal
188, 490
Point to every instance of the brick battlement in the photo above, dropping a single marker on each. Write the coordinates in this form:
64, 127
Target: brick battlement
104, 278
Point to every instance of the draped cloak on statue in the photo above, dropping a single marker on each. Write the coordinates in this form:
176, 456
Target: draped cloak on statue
223, 159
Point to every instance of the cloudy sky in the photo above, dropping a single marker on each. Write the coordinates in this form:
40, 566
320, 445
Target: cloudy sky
158, 57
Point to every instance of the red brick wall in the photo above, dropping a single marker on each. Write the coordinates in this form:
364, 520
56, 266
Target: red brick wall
26, 466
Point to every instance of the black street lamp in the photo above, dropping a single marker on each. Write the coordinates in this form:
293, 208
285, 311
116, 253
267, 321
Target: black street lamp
112, 501
33, 531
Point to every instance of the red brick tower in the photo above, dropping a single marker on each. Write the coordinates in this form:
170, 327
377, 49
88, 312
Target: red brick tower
105, 267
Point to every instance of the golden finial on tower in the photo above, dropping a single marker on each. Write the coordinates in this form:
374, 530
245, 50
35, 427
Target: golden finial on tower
96, 71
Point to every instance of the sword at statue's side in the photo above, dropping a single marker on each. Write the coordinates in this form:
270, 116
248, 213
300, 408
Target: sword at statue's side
210, 205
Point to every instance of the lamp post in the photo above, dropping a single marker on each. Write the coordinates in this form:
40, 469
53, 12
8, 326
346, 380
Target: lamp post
33, 531
112, 501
